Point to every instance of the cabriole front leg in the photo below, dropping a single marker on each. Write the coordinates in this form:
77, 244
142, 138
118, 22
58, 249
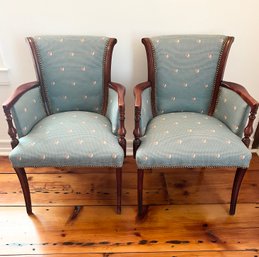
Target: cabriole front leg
123, 144
25, 188
240, 173
119, 182
140, 191
136, 144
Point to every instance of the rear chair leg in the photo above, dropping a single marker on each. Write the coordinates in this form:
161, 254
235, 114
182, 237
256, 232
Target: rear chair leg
240, 173
25, 188
140, 191
119, 182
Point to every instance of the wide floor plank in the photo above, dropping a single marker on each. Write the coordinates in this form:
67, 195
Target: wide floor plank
190, 254
165, 228
208, 186
251, 253
74, 213
81, 189
188, 187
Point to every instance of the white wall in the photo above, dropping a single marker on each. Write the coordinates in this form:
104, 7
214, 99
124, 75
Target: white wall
128, 21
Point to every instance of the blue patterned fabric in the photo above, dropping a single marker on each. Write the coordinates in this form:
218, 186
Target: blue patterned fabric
28, 111
146, 110
72, 69
113, 111
232, 110
185, 68
190, 140
69, 139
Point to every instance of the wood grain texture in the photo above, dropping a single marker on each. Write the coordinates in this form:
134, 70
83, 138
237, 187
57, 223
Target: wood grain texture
188, 187
159, 254
71, 255
190, 254
80, 189
74, 213
165, 228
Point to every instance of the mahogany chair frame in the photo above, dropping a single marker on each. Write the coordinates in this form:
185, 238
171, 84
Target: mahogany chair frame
240, 90
256, 138
21, 90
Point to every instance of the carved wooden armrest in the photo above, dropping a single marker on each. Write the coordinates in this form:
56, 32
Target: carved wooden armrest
9, 103
121, 104
138, 90
243, 93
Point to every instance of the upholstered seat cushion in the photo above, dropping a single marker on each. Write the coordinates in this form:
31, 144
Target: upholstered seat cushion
188, 139
69, 139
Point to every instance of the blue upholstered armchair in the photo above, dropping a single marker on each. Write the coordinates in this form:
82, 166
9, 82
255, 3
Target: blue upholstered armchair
185, 115
73, 115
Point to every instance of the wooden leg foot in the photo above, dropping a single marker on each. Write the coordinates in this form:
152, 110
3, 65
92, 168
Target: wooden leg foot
240, 173
140, 191
119, 182
25, 188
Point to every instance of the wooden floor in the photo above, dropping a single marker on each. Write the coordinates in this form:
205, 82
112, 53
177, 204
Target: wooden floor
74, 213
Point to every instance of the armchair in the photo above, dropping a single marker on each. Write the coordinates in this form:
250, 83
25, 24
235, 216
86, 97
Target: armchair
73, 115
185, 115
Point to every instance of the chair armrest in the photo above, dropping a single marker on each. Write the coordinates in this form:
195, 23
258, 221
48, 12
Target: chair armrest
116, 112
19, 91
121, 90
138, 90
143, 111
233, 107
142, 106
26, 108
240, 90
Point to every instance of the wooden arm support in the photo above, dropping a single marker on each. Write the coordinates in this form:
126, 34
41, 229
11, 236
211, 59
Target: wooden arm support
138, 90
9, 103
242, 92
121, 131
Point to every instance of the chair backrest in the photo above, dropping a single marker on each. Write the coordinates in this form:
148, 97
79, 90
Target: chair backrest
185, 71
74, 71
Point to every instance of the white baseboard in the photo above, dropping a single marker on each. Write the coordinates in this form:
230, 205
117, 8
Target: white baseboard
255, 151
129, 147
5, 147
4, 80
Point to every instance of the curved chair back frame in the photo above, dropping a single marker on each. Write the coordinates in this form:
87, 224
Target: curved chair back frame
217, 81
